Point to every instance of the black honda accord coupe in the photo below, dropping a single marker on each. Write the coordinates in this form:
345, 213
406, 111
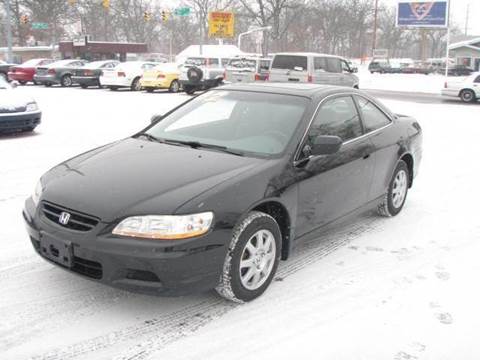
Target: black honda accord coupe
216, 192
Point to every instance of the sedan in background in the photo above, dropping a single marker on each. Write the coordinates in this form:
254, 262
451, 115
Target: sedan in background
219, 190
163, 76
25, 72
126, 75
58, 72
4, 67
247, 69
466, 89
89, 75
17, 111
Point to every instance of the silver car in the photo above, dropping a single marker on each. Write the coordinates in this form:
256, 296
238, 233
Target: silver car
312, 68
247, 69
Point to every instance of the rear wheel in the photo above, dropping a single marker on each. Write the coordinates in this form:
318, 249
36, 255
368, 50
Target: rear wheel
66, 81
83, 86
396, 195
468, 96
35, 82
190, 90
174, 86
252, 258
48, 84
149, 89
22, 82
136, 85
113, 88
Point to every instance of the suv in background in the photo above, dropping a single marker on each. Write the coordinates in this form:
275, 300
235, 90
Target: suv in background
200, 73
247, 69
381, 67
312, 68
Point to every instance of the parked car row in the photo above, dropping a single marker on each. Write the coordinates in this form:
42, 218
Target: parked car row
385, 67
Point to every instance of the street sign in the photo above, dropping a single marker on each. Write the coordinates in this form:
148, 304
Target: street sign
422, 14
39, 26
182, 11
221, 24
380, 53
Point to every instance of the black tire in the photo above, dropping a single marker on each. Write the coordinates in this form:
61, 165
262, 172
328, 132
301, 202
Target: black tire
22, 82
113, 88
150, 90
230, 286
136, 85
35, 82
83, 86
66, 81
194, 74
468, 96
174, 86
386, 207
190, 90
48, 84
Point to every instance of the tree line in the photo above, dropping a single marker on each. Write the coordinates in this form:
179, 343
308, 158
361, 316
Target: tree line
343, 27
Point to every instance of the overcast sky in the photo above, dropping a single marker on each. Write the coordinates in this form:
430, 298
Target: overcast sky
458, 11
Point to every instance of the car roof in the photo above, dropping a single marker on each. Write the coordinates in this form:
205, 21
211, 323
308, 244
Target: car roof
308, 54
296, 89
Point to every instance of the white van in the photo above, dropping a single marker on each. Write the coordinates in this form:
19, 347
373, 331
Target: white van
312, 68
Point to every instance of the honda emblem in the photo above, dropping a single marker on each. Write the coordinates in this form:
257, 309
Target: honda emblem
64, 218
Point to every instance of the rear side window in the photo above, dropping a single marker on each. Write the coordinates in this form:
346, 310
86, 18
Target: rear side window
373, 117
289, 62
477, 80
213, 61
337, 117
264, 64
334, 65
320, 64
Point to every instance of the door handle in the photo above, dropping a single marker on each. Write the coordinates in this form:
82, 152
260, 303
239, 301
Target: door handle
366, 156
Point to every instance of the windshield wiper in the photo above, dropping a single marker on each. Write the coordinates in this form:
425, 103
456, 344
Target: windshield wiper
150, 137
197, 144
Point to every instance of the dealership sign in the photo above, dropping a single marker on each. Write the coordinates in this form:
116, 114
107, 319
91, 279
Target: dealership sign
428, 14
221, 24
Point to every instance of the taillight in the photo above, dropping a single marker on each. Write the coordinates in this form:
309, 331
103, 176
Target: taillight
51, 71
224, 75
121, 74
267, 76
445, 85
257, 77
161, 76
88, 73
310, 78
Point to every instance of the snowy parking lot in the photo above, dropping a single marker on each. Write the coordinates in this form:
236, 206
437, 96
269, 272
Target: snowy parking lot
372, 288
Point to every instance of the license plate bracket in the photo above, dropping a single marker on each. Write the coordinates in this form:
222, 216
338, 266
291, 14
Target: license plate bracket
57, 251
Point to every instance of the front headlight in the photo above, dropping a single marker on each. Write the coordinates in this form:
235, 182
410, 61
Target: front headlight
32, 106
37, 193
165, 227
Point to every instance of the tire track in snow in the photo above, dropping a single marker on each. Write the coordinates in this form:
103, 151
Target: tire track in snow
157, 333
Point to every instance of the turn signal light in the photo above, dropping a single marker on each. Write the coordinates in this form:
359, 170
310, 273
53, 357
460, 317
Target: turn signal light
161, 76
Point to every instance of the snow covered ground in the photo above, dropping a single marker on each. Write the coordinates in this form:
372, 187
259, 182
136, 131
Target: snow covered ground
373, 288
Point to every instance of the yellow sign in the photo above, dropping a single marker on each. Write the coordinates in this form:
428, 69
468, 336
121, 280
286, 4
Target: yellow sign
221, 24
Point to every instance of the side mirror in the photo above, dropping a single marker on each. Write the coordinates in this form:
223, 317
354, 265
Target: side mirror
326, 145
354, 69
156, 118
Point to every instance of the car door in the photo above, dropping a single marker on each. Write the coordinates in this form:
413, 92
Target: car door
348, 79
331, 186
377, 126
321, 74
476, 86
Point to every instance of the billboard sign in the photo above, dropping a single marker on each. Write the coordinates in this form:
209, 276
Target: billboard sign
221, 24
424, 14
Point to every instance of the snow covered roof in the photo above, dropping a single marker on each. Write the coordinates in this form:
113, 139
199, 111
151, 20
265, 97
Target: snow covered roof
471, 44
209, 50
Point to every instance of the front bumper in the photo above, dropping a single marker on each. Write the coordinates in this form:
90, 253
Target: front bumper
86, 80
145, 266
46, 79
20, 121
115, 81
154, 83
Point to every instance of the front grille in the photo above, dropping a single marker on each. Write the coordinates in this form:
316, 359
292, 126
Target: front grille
86, 267
77, 221
13, 109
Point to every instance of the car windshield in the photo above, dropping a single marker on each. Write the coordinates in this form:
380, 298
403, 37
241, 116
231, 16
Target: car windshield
250, 123
242, 64
32, 62
196, 61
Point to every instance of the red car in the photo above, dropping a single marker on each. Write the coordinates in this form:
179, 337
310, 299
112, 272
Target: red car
24, 73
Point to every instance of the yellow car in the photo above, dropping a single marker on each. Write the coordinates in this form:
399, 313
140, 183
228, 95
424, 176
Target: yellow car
163, 76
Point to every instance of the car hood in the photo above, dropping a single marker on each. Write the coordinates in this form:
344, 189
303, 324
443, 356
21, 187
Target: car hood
10, 99
138, 177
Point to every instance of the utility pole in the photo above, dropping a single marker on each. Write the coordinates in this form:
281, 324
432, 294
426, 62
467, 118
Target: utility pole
374, 41
467, 16
9, 32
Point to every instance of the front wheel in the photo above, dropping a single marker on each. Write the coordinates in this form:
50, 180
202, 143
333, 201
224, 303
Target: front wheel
467, 96
252, 258
66, 81
136, 86
190, 90
396, 195
22, 82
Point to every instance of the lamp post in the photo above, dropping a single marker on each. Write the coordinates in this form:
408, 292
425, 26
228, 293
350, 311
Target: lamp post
9, 32
264, 28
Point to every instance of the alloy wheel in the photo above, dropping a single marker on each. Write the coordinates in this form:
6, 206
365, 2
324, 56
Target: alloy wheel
399, 189
258, 258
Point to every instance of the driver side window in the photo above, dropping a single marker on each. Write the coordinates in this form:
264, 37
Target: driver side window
337, 117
